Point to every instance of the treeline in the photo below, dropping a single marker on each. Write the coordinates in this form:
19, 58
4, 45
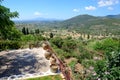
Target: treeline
27, 31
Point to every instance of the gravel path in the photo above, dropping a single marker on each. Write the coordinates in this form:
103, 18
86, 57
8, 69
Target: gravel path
23, 61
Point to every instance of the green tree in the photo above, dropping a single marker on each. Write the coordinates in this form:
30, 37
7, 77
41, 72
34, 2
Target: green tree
24, 30
27, 31
51, 35
57, 41
69, 45
107, 45
7, 26
88, 36
37, 31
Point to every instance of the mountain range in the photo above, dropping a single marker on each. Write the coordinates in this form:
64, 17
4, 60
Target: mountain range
113, 16
84, 23
93, 24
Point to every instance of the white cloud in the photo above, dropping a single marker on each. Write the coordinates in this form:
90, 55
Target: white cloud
76, 10
37, 13
110, 8
90, 8
102, 3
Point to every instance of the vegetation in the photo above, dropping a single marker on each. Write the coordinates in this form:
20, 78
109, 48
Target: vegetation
103, 57
9, 35
82, 24
64, 47
109, 68
8, 30
93, 41
56, 77
4, 45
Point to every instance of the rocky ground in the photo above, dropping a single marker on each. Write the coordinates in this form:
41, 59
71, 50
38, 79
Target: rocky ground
23, 61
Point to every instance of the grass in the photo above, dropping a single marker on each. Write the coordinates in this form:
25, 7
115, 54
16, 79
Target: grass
53, 77
72, 63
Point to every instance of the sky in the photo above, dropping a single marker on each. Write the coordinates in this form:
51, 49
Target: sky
62, 9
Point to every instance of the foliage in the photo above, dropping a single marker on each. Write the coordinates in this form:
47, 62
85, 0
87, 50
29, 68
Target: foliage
8, 30
4, 45
69, 45
109, 68
100, 68
106, 68
87, 63
107, 45
51, 35
57, 41
65, 47
84, 54
31, 37
25, 31
72, 64
28, 38
37, 31
82, 24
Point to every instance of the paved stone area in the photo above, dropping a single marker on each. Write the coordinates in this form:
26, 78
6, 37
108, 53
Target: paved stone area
22, 61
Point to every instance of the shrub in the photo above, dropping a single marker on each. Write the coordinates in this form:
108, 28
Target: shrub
84, 54
28, 38
107, 45
109, 68
69, 45
88, 63
4, 45
57, 41
97, 46
59, 52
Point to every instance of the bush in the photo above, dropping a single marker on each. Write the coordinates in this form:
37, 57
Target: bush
88, 63
59, 52
4, 45
98, 46
57, 41
28, 38
84, 54
107, 45
69, 45
109, 68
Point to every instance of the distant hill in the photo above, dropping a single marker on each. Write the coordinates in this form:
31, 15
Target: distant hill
113, 16
92, 24
37, 20
81, 23
80, 18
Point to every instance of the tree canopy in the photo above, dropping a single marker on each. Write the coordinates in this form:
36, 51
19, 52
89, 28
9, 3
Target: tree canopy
6, 24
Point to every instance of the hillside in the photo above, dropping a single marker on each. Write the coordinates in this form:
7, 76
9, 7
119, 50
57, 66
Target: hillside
81, 23
113, 16
80, 19
90, 24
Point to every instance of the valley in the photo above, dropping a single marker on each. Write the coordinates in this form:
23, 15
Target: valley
47, 41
